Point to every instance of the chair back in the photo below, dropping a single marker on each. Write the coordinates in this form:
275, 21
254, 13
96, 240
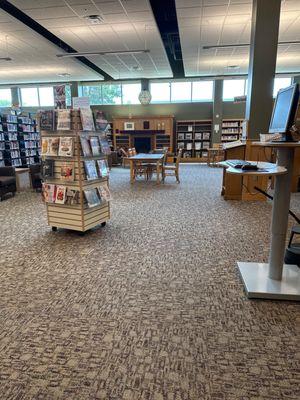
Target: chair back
179, 155
123, 152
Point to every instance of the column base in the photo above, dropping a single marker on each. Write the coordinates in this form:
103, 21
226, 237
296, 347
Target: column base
258, 285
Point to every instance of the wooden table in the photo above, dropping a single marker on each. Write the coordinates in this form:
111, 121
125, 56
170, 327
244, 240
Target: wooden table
145, 158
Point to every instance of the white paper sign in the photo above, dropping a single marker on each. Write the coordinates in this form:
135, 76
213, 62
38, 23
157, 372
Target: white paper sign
81, 102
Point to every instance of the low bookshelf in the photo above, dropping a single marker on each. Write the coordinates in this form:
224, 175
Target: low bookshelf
231, 130
77, 208
193, 137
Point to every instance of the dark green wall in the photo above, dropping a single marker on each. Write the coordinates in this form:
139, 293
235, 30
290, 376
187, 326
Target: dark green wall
179, 110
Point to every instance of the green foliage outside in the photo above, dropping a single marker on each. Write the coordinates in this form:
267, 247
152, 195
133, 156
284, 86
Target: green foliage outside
104, 94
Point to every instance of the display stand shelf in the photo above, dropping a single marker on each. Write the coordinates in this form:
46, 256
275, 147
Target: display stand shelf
78, 217
274, 280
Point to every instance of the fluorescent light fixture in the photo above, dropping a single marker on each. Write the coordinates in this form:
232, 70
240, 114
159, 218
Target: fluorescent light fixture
229, 46
64, 74
101, 53
5, 59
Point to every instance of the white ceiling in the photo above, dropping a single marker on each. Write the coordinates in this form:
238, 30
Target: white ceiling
212, 22
129, 24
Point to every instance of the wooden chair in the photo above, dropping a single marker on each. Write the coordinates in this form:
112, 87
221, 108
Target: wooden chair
125, 156
215, 154
172, 170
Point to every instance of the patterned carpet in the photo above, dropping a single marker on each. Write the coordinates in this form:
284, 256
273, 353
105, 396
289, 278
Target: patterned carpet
150, 307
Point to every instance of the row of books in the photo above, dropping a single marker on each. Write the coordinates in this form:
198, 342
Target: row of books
197, 136
60, 194
48, 120
64, 146
15, 119
93, 169
189, 146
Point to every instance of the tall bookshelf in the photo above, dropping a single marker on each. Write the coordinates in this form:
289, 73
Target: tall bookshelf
78, 216
231, 130
19, 141
193, 137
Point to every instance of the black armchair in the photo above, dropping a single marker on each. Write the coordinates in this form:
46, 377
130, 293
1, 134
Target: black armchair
7, 181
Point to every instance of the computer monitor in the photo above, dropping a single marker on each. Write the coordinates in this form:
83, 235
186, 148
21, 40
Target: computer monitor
284, 111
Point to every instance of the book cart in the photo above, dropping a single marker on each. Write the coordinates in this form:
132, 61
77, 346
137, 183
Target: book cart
78, 217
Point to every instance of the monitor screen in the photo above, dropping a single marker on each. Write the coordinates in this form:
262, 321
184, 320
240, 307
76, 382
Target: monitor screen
284, 109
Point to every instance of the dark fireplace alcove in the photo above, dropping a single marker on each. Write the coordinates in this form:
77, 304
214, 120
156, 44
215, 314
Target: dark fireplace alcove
142, 144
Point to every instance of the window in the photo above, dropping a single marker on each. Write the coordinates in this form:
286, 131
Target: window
111, 94
29, 97
68, 96
94, 93
130, 93
160, 92
233, 88
202, 91
181, 91
46, 96
5, 98
280, 83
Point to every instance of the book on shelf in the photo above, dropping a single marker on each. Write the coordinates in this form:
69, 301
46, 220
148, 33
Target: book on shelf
190, 128
104, 193
189, 136
85, 146
197, 145
60, 197
180, 136
100, 121
53, 146
105, 147
92, 197
45, 146
48, 168
180, 145
206, 135
103, 168
63, 120
198, 136
72, 196
87, 120
189, 146
66, 146
47, 119
95, 146
67, 171
90, 170
49, 193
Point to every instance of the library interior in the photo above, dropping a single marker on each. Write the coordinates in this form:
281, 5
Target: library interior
149, 199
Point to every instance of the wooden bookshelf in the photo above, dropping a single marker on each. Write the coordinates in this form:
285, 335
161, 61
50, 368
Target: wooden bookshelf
158, 129
194, 137
231, 130
79, 217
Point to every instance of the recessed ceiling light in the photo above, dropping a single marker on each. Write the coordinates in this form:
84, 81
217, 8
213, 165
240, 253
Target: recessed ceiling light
64, 74
94, 19
5, 59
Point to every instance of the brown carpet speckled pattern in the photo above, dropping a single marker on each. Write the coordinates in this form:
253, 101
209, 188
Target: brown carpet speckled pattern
150, 307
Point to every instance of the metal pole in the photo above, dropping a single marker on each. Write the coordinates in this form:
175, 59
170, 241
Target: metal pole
282, 196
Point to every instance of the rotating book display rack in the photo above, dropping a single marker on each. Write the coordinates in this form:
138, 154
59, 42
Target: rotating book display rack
75, 172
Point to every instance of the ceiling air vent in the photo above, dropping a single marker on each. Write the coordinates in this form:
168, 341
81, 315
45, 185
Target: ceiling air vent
94, 19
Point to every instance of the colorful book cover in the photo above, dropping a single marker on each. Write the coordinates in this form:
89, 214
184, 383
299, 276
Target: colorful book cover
60, 194
105, 147
198, 135
47, 120
72, 196
45, 146
92, 197
87, 120
67, 171
104, 193
100, 121
63, 120
85, 147
66, 146
90, 170
53, 146
49, 193
95, 146
103, 168
47, 168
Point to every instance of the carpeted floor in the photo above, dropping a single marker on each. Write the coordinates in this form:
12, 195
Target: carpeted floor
150, 307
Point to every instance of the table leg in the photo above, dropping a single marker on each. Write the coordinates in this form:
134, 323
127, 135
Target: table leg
280, 213
157, 172
131, 171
